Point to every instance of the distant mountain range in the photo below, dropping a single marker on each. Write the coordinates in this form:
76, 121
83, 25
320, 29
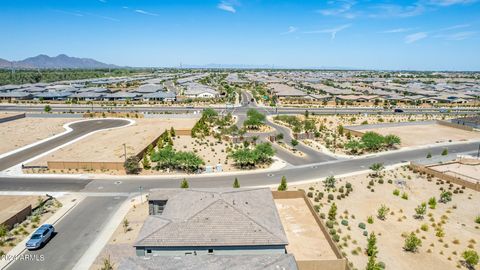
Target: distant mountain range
60, 61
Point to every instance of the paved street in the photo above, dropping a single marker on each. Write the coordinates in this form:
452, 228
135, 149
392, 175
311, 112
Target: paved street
78, 130
75, 232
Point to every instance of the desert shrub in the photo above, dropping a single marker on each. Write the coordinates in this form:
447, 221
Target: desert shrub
396, 192
362, 225
412, 242
370, 220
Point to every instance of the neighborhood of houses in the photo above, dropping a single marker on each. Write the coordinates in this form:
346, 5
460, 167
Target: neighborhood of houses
346, 87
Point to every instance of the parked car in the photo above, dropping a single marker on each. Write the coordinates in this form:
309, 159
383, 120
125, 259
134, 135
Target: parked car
40, 237
398, 111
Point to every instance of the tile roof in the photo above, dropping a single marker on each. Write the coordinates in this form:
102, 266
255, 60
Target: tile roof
214, 217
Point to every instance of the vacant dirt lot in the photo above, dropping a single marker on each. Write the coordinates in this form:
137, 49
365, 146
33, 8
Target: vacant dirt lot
305, 239
21, 132
469, 172
108, 146
426, 134
455, 218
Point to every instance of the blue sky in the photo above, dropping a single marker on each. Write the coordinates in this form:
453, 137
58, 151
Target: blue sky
421, 35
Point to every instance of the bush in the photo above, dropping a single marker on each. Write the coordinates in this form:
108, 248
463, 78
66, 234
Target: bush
344, 222
329, 224
348, 185
382, 212
370, 220
316, 208
477, 219
445, 152
396, 192
362, 225
432, 202
310, 194
412, 242
330, 197
404, 196
131, 165
471, 258
336, 237
424, 227
322, 215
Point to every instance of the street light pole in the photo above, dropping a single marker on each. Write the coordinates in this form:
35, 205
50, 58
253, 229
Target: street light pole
125, 151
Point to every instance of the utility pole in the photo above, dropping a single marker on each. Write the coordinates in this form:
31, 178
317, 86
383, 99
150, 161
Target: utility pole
478, 153
125, 151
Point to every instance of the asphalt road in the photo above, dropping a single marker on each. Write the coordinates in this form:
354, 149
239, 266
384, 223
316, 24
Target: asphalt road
75, 233
78, 130
76, 108
293, 174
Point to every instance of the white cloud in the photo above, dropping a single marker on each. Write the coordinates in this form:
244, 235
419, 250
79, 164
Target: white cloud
291, 29
396, 30
446, 3
332, 31
458, 26
397, 11
141, 11
227, 6
415, 37
340, 8
458, 36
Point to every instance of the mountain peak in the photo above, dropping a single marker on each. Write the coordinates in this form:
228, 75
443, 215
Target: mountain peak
43, 61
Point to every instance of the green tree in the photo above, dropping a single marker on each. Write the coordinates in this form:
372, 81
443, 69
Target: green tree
377, 168
236, 184
47, 108
131, 165
172, 132
254, 119
307, 114
391, 140
184, 183
294, 143
283, 184
382, 212
330, 182
412, 242
146, 162
332, 213
470, 257
353, 146
445, 152
372, 140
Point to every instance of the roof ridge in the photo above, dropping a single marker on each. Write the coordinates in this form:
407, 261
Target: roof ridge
169, 221
256, 222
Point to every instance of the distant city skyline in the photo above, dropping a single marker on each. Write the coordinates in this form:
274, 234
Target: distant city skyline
355, 34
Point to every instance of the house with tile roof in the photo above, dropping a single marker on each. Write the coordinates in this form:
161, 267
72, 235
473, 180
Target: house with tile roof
211, 222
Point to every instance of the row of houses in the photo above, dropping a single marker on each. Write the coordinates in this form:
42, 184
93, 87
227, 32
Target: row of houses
284, 91
146, 92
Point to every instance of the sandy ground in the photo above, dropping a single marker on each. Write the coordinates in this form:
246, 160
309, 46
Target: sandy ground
427, 134
305, 239
108, 146
21, 132
330, 123
456, 218
211, 150
469, 172
121, 243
